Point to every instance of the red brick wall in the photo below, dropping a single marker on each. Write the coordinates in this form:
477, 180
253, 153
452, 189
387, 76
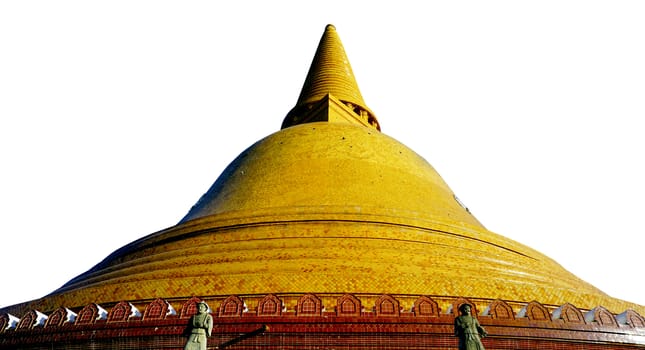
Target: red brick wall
321, 332
158, 328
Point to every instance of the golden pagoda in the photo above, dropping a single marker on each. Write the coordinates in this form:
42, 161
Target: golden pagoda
329, 206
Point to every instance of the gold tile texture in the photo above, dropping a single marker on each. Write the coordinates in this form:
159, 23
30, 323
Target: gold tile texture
329, 208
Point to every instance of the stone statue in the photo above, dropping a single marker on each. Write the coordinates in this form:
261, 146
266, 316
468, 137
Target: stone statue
200, 326
468, 330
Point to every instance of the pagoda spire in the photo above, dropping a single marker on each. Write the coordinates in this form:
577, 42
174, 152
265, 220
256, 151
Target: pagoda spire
330, 79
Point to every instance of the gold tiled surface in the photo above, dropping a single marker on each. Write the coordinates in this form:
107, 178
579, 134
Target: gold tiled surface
337, 257
326, 164
329, 208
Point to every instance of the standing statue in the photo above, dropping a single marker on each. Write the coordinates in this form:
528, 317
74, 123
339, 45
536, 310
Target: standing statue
468, 330
200, 326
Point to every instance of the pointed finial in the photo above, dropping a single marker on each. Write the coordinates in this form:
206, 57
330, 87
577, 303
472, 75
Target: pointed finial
330, 74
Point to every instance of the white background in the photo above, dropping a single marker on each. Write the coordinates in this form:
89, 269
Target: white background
116, 116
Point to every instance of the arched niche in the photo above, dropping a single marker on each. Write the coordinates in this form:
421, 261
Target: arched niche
535, 311
631, 318
270, 305
499, 309
28, 320
569, 314
189, 308
90, 314
348, 305
601, 316
158, 309
233, 306
5, 322
454, 307
386, 305
425, 306
60, 316
309, 305
122, 312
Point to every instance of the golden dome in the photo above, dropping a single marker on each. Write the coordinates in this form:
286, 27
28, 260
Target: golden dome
329, 205
334, 167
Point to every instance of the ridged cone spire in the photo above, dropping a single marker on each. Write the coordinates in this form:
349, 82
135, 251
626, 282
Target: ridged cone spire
330, 74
